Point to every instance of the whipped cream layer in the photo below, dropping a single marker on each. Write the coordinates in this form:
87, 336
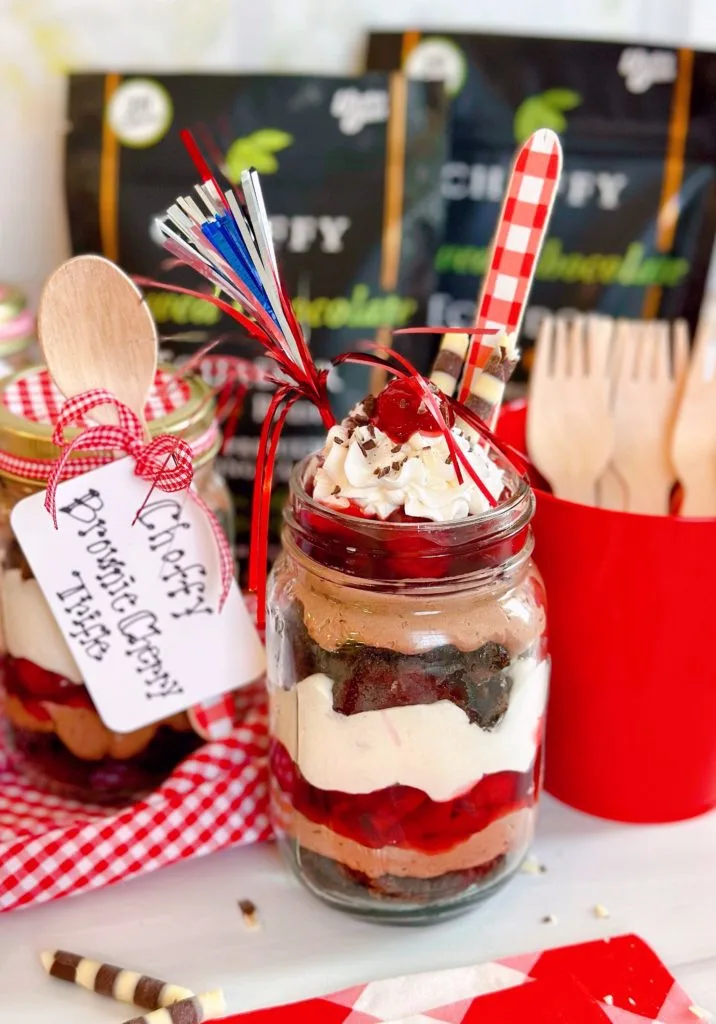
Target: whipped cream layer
31, 631
362, 464
432, 747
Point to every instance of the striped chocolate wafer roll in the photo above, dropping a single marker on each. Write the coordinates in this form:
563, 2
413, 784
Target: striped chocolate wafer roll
447, 368
188, 1011
488, 387
115, 982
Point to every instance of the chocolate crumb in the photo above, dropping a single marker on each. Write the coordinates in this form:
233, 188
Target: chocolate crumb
531, 866
371, 430
338, 440
549, 919
249, 913
448, 460
336, 490
369, 445
369, 405
397, 466
395, 449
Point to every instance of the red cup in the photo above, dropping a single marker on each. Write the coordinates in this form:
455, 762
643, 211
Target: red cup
631, 730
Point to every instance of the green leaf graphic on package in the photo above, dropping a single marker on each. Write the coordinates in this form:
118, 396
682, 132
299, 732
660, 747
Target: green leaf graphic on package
256, 150
545, 110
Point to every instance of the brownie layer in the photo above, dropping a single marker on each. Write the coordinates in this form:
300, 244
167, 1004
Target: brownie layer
368, 677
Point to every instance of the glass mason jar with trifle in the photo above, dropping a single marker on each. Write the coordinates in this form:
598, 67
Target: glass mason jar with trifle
407, 668
56, 737
407, 660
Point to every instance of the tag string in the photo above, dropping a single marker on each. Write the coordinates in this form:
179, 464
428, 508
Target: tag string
165, 462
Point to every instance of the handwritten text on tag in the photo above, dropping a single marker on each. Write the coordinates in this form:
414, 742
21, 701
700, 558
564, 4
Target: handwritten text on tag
138, 604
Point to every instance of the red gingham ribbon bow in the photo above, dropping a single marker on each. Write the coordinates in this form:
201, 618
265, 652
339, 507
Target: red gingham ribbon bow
165, 462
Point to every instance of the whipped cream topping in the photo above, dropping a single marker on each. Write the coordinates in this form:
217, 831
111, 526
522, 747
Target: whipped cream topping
432, 747
362, 464
31, 631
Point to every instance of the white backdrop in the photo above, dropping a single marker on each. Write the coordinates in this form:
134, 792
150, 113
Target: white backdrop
39, 39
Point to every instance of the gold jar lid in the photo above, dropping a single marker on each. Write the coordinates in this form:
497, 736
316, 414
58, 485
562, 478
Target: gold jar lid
30, 403
17, 322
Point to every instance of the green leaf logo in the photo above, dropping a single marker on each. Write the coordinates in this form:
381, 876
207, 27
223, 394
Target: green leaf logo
545, 110
256, 150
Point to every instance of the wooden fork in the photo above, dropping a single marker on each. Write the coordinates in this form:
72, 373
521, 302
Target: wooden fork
693, 446
570, 436
648, 382
611, 489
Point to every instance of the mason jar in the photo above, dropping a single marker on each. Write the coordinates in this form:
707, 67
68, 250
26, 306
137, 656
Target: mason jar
17, 331
408, 675
56, 738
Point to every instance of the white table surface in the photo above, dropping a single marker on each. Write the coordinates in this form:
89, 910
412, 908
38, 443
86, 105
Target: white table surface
183, 923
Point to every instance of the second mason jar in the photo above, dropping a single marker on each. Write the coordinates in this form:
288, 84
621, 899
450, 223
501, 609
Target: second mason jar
55, 735
408, 677
17, 331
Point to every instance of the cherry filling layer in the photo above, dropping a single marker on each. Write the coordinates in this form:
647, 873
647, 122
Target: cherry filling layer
34, 685
405, 817
61, 743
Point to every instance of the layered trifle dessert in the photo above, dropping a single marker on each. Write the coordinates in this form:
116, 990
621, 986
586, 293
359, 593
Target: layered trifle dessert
407, 665
50, 725
57, 738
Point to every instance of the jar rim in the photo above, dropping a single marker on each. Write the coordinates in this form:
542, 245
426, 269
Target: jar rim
400, 555
521, 502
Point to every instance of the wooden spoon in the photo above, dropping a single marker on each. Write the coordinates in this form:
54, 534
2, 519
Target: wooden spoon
96, 331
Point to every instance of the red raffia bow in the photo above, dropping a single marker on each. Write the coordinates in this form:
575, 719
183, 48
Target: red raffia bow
165, 462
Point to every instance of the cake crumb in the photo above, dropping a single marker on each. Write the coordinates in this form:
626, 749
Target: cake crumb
531, 866
550, 919
609, 1000
700, 1013
600, 911
250, 914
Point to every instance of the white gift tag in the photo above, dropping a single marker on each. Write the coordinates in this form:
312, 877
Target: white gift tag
138, 604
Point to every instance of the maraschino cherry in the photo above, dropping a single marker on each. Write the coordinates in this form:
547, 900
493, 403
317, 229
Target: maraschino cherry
401, 410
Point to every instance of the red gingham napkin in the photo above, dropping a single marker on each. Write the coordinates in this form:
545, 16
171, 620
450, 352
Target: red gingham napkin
218, 797
612, 981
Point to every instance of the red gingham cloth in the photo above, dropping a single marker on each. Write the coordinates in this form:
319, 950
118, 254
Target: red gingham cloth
51, 847
611, 981
521, 230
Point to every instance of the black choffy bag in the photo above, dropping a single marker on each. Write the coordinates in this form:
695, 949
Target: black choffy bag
350, 173
633, 227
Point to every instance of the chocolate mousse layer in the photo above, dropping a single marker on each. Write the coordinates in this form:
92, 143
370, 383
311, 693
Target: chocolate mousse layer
511, 833
334, 614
